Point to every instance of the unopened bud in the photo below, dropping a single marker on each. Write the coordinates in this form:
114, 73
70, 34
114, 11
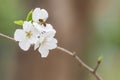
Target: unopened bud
100, 59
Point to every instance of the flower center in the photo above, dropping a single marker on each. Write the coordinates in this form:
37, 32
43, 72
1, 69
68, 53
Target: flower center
28, 34
42, 22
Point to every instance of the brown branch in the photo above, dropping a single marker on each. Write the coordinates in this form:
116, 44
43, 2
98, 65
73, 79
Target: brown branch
96, 67
7, 37
93, 71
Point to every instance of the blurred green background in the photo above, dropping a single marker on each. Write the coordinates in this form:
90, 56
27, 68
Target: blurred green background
91, 28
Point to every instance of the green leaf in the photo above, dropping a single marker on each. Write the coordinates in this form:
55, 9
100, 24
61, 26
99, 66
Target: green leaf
29, 16
19, 22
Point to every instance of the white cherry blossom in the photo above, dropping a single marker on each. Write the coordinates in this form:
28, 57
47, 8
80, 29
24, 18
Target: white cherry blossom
45, 43
39, 14
26, 36
38, 33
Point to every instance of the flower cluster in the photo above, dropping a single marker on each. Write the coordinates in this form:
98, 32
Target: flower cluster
37, 32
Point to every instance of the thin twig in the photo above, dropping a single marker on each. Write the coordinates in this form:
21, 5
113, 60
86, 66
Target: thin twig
97, 66
7, 37
93, 71
76, 57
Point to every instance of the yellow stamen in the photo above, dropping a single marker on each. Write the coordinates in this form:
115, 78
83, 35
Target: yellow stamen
28, 34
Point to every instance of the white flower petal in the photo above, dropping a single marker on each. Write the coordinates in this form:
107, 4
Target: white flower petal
35, 14
39, 27
24, 45
50, 31
33, 39
49, 34
36, 45
44, 51
27, 26
35, 33
39, 14
49, 26
43, 14
53, 40
51, 43
19, 35
51, 46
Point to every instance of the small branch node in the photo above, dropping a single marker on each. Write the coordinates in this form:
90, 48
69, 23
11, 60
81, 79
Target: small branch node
74, 54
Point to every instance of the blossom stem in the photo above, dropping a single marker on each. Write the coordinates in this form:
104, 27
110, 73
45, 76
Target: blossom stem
93, 71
